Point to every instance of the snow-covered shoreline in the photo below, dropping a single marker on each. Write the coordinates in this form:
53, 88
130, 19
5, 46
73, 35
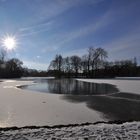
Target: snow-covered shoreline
25, 108
125, 131
128, 78
125, 85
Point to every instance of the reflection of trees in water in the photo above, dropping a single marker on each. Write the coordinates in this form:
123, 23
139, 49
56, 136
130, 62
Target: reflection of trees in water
70, 86
113, 108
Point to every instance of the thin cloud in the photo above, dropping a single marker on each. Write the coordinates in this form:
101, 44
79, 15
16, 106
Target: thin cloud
45, 11
29, 33
125, 47
78, 52
92, 28
57, 7
35, 65
39, 28
127, 41
62, 39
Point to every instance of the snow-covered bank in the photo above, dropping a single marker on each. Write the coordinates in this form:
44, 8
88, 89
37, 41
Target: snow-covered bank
125, 131
25, 108
36, 78
129, 86
22, 107
128, 78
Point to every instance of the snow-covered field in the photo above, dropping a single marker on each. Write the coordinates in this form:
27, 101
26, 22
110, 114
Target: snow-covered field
126, 131
128, 78
23, 108
129, 86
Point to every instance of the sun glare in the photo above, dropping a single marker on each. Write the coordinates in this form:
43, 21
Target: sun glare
9, 42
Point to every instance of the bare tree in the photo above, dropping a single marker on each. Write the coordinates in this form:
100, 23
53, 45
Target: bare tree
103, 53
95, 59
76, 64
85, 64
57, 64
13, 68
14, 64
89, 59
67, 65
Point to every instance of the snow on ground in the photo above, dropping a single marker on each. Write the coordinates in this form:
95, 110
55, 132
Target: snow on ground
128, 78
129, 86
126, 131
22, 107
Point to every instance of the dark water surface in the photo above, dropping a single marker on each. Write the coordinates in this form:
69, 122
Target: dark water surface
71, 87
104, 98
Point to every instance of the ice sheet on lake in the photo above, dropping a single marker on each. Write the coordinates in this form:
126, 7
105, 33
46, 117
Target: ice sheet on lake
128, 86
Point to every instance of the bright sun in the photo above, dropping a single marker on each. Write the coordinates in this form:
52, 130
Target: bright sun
9, 42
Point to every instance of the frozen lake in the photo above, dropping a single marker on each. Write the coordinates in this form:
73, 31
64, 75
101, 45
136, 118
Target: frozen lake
111, 99
67, 101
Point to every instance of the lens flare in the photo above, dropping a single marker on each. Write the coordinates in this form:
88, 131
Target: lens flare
9, 42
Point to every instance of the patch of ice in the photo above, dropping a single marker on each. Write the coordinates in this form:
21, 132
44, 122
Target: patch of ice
128, 78
8, 87
128, 86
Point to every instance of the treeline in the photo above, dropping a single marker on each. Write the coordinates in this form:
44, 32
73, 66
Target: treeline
94, 64
11, 68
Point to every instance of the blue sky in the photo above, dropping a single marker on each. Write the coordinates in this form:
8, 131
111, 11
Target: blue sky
44, 28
